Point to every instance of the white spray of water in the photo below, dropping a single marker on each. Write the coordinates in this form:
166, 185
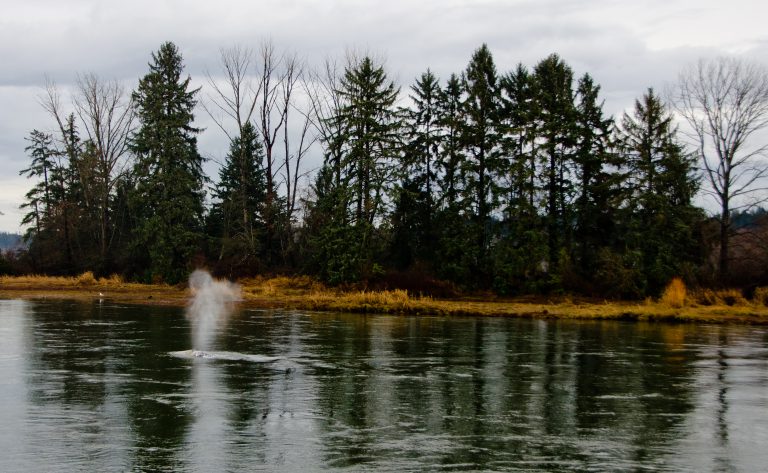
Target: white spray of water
211, 305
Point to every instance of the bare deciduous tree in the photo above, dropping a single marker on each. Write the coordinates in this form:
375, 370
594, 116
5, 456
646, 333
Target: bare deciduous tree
236, 99
325, 103
725, 103
271, 119
294, 155
267, 96
107, 115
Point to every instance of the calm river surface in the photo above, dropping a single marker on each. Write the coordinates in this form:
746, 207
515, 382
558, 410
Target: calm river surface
104, 387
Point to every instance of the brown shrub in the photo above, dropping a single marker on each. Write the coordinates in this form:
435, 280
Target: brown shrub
761, 295
675, 293
86, 279
706, 297
731, 297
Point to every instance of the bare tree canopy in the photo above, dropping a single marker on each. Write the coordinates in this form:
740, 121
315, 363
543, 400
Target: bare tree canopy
106, 114
237, 97
725, 103
264, 88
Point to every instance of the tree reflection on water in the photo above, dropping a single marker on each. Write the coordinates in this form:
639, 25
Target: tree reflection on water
346, 391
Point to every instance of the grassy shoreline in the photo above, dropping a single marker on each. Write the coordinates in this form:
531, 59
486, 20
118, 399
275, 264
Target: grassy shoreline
303, 293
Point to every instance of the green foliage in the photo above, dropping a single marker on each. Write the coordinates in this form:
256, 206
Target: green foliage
167, 202
236, 218
556, 125
411, 226
516, 182
372, 139
518, 263
450, 178
519, 111
662, 222
53, 209
353, 186
620, 275
456, 249
481, 139
599, 185
43, 168
412, 219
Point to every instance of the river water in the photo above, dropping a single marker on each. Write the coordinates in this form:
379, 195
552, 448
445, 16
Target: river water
89, 386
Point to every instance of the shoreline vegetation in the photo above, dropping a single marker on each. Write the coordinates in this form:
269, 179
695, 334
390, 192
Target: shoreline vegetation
305, 293
507, 178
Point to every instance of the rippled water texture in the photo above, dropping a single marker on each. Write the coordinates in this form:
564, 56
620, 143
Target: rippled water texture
102, 387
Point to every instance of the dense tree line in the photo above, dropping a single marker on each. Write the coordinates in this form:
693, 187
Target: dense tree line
513, 181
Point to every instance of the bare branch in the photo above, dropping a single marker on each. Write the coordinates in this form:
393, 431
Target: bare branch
725, 102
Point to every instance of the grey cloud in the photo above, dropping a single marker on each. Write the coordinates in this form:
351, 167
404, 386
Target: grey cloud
607, 38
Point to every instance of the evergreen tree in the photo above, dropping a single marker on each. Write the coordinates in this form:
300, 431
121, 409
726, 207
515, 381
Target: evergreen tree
240, 192
453, 228
663, 220
361, 132
372, 140
482, 140
369, 147
598, 182
521, 248
424, 135
520, 172
556, 129
168, 198
332, 247
39, 198
450, 158
412, 221
52, 208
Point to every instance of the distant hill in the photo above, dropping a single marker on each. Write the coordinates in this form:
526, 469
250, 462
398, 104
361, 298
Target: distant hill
748, 219
9, 240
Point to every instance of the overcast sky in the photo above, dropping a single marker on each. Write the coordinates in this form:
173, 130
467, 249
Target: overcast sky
626, 46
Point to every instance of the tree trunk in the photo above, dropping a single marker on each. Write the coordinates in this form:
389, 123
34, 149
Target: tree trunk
725, 228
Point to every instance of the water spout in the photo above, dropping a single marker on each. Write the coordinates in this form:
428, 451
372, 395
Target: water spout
210, 307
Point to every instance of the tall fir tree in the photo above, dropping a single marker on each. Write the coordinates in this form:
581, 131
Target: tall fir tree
481, 137
450, 119
455, 241
520, 172
412, 220
168, 197
372, 140
42, 167
236, 217
596, 164
370, 149
518, 253
556, 130
53, 206
662, 224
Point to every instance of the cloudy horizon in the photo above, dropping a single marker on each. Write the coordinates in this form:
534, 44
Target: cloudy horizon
626, 48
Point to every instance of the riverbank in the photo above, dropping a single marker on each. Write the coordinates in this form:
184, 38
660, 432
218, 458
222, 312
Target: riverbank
304, 293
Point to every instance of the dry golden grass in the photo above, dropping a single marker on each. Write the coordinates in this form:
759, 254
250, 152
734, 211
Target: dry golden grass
85, 279
359, 301
761, 296
307, 294
675, 293
279, 286
722, 297
86, 286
